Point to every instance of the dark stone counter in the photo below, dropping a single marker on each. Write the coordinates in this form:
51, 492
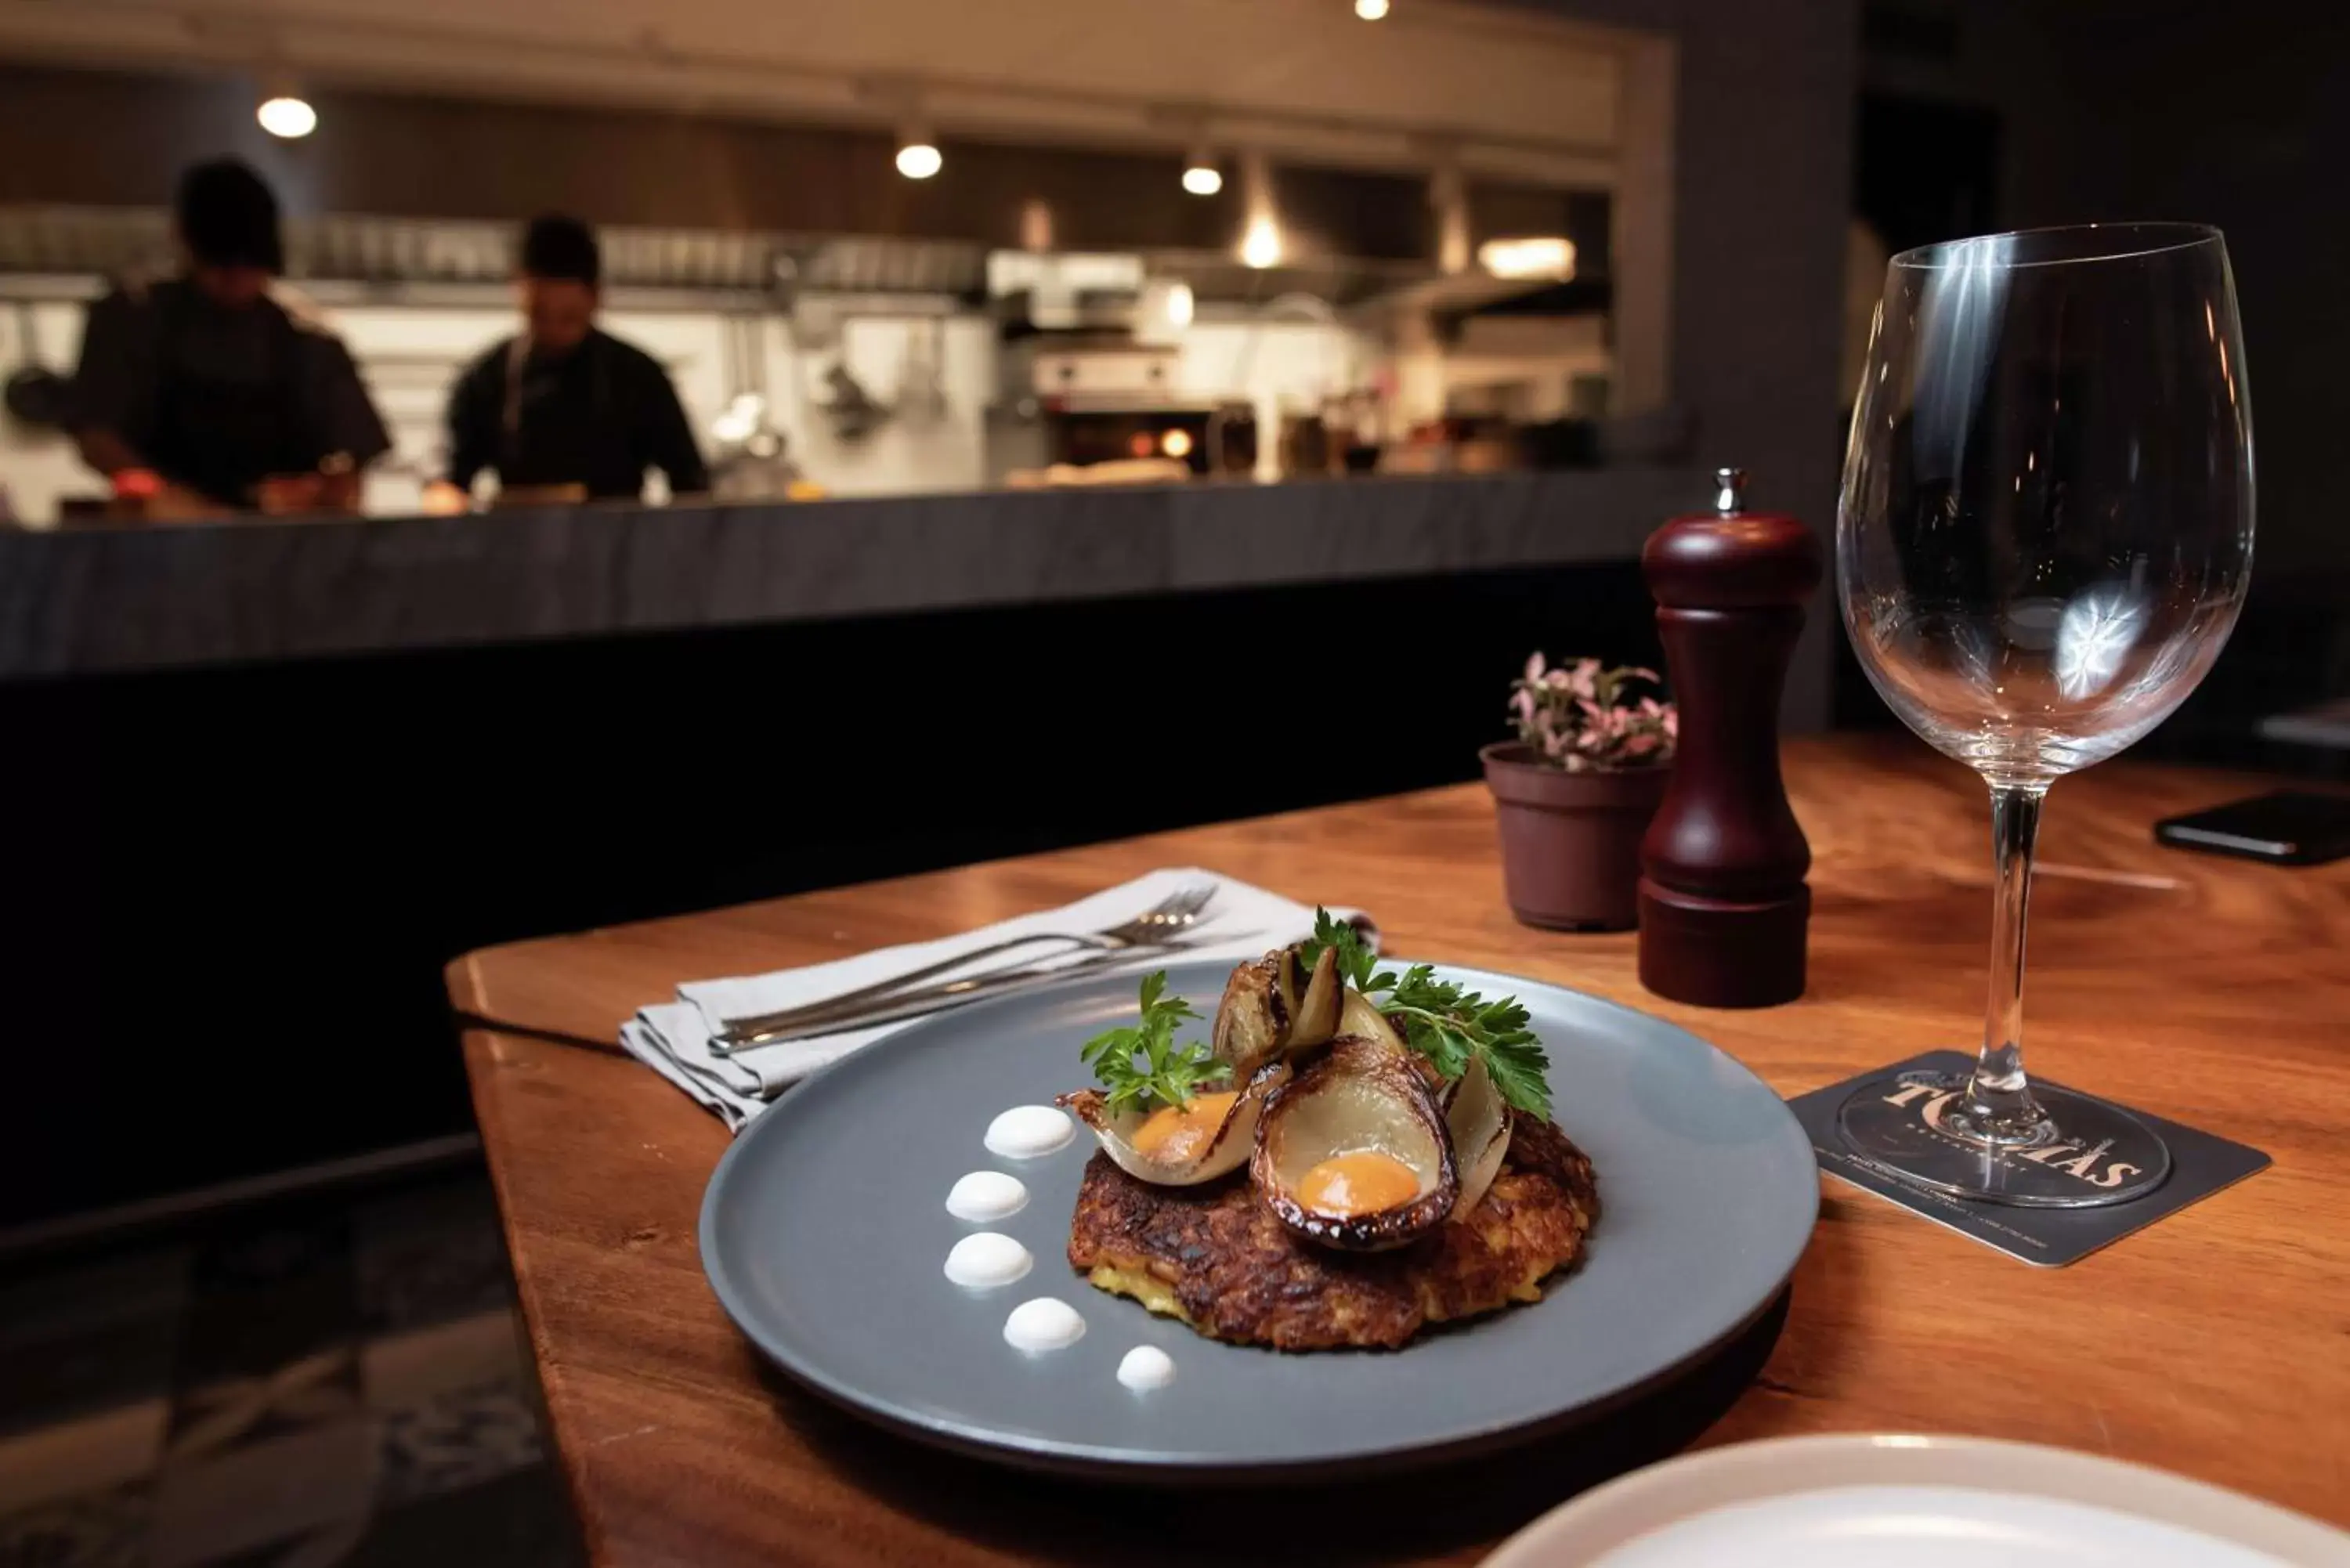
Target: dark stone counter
158, 598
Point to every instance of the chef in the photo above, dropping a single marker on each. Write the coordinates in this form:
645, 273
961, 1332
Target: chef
213, 390
564, 410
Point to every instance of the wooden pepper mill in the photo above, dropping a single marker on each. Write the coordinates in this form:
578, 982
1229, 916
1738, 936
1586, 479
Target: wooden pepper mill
1723, 904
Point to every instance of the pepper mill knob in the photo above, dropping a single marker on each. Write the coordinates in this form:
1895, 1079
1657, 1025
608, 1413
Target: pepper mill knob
1724, 910
1731, 499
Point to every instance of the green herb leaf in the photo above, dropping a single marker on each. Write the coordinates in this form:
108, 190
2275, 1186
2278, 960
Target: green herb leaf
1141, 1065
1357, 963
1445, 1022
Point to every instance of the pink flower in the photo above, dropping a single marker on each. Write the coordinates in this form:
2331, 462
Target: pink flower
1579, 715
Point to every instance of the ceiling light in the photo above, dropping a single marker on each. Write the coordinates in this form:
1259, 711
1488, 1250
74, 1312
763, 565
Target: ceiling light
1201, 175
287, 115
1261, 246
1260, 241
1370, 10
1548, 255
918, 153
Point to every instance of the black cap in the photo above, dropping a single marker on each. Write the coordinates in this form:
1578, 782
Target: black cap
559, 246
228, 216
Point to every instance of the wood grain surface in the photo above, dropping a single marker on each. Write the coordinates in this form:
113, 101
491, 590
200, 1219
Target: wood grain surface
2216, 1343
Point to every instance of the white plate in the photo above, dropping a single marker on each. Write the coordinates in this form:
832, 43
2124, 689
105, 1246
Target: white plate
1920, 1502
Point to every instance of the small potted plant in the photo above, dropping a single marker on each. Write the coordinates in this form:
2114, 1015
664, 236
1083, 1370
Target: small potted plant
1576, 790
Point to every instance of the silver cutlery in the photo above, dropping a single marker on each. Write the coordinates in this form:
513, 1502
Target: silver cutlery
1160, 926
952, 994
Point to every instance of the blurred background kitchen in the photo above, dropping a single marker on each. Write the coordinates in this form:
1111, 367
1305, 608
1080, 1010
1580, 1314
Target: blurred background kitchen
1044, 374
897, 254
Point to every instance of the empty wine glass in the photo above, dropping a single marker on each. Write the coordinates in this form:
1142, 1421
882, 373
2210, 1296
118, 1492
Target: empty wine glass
2044, 541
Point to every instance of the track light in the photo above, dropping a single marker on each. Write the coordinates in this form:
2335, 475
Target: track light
918, 151
1261, 240
1542, 255
285, 113
1260, 246
1201, 175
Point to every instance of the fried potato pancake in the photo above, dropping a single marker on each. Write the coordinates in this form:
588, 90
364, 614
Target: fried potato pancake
1216, 1257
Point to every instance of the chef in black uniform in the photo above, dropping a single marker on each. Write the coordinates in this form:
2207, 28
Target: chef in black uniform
211, 389
566, 407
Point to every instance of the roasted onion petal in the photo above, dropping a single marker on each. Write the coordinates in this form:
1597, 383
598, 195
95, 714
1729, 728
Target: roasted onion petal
1319, 1009
1358, 1096
1477, 1119
1253, 1019
1236, 1137
1358, 1015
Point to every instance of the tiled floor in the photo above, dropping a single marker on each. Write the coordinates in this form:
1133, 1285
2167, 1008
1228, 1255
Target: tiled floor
339, 1384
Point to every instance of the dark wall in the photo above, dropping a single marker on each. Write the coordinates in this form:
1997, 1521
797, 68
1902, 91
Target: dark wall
2235, 115
2239, 116
231, 891
92, 138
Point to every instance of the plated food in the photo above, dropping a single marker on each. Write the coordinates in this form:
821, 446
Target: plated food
1712, 1190
1354, 1154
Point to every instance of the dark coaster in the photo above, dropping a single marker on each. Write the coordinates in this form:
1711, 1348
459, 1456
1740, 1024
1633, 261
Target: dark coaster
2201, 1165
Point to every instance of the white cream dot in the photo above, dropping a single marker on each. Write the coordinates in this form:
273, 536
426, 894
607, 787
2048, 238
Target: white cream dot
987, 1195
1025, 1132
1146, 1367
989, 1258
1043, 1325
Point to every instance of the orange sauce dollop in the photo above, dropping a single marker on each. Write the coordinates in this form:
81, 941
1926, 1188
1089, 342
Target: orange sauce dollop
1171, 1136
1358, 1183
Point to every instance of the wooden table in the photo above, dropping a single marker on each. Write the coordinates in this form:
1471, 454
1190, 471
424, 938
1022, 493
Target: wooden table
2216, 1343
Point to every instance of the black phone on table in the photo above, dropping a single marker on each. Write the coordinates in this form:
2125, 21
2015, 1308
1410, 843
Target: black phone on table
2290, 828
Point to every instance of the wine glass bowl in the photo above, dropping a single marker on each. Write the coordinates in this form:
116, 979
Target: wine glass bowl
2044, 539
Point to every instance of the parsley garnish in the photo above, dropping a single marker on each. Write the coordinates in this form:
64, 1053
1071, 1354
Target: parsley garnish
1141, 1065
1442, 1020
1357, 965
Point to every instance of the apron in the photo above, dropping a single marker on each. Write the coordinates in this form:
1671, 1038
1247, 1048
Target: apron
222, 435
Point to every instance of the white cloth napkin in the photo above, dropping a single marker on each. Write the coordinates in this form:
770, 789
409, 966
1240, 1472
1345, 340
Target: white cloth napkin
673, 1038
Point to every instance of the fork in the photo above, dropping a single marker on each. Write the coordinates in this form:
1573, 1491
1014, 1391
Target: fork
1159, 926
950, 994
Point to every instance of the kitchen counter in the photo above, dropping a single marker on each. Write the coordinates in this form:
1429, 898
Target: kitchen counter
126, 599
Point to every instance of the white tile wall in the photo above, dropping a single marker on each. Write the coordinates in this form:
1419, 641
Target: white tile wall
38, 466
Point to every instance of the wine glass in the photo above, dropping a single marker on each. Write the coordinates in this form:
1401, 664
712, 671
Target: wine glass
2044, 541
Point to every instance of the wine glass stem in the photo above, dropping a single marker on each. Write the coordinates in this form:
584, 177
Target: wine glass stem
1999, 1103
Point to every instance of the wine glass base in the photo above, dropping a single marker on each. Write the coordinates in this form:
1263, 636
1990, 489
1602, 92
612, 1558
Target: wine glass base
1905, 1125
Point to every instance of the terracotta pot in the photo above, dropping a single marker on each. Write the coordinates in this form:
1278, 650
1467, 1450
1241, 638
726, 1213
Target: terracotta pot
1571, 841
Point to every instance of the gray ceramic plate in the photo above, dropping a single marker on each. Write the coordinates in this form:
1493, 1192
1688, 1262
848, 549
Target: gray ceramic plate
825, 1231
